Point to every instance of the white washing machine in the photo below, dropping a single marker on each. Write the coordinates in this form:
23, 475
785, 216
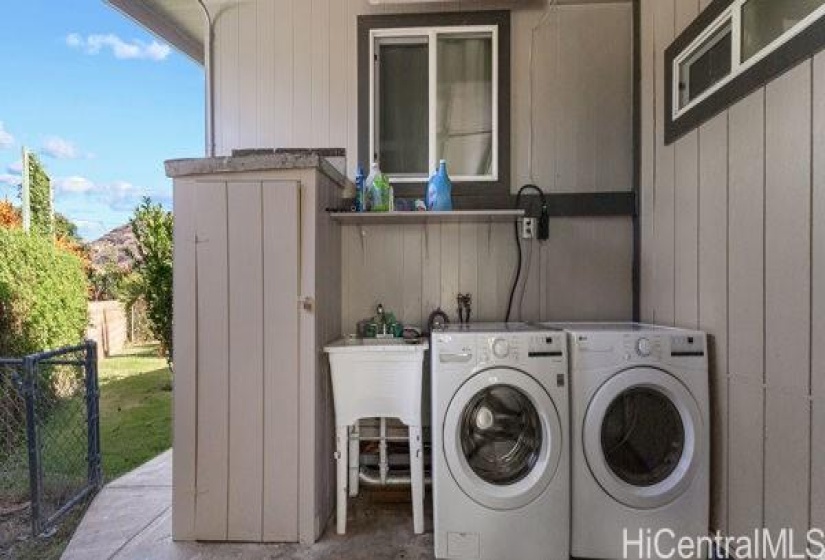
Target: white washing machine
640, 448
500, 442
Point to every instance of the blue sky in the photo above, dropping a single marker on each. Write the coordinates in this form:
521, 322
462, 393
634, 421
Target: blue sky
101, 101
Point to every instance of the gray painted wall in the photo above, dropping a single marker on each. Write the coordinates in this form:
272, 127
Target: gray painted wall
286, 77
733, 242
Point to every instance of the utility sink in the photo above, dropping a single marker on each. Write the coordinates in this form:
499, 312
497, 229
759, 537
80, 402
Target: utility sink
377, 377
389, 343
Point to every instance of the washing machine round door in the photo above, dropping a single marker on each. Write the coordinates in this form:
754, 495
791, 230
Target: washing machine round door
643, 434
502, 438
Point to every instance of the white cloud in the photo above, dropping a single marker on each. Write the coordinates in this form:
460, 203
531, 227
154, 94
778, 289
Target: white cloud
10, 180
6, 139
15, 168
75, 185
59, 148
124, 50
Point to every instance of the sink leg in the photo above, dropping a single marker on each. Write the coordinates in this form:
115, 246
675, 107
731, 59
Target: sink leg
342, 445
417, 478
354, 458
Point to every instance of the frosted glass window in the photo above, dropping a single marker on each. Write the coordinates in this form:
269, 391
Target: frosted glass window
764, 21
403, 108
464, 117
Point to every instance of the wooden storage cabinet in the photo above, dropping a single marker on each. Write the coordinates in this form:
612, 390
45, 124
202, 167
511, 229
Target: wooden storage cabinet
253, 416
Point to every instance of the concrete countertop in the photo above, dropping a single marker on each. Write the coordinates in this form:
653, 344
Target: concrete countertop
259, 160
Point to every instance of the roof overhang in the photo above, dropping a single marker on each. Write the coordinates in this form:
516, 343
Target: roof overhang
178, 22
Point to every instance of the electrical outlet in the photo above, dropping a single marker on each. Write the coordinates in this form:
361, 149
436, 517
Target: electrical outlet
528, 228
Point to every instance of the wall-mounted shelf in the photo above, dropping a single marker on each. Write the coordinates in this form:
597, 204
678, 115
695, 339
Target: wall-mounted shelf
455, 216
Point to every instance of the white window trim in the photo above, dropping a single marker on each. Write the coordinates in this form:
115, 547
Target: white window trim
733, 15
431, 34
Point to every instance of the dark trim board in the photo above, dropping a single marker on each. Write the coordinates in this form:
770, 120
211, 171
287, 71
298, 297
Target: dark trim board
559, 205
803, 46
501, 18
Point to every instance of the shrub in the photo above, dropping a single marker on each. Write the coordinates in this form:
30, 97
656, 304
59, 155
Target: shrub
10, 215
152, 226
42, 295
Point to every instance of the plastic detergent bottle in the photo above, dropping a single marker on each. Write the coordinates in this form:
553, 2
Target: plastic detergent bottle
359, 189
440, 190
369, 183
381, 193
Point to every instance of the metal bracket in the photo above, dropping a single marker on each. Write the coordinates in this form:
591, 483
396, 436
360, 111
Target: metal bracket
307, 303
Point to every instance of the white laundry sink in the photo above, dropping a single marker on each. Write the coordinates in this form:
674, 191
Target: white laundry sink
377, 377
380, 343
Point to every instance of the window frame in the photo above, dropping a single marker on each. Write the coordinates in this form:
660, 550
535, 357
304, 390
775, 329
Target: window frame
476, 188
431, 35
788, 49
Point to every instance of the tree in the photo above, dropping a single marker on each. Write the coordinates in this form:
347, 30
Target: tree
152, 226
66, 229
10, 215
40, 197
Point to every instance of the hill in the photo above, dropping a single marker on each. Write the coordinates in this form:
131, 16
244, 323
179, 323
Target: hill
117, 246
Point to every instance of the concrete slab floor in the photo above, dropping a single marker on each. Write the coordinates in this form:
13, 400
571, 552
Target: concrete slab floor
131, 519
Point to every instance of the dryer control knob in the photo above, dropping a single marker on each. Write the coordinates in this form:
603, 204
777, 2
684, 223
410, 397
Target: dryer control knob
500, 348
643, 347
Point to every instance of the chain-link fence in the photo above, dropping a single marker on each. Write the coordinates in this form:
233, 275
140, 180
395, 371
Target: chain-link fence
49, 435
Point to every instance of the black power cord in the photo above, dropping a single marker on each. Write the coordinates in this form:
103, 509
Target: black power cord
543, 233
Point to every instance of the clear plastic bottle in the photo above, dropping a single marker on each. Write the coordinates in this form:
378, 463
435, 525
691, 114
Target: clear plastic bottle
368, 187
381, 193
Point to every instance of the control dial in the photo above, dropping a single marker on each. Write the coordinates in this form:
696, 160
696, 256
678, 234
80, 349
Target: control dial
643, 347
501, 348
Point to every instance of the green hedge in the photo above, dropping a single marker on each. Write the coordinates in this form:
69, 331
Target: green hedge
42, 295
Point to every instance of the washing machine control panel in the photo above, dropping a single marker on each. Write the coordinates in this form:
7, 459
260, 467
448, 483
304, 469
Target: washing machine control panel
500, 349
643, 346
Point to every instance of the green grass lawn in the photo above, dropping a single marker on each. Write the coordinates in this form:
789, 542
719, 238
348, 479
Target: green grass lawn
135, 426
135, 409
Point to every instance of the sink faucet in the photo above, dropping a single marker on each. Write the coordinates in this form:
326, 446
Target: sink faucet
382, 319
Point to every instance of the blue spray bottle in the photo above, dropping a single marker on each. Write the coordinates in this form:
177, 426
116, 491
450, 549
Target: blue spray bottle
360, 190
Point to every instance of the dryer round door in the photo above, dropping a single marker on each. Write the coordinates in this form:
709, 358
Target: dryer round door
643, 434
502, 438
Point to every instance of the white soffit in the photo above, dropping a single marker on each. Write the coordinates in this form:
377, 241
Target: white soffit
178, 22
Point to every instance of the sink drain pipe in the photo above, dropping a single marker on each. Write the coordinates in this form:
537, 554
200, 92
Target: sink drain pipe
370, 476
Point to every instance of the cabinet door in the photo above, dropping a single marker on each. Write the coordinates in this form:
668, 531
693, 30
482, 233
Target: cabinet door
247, 256
281, 261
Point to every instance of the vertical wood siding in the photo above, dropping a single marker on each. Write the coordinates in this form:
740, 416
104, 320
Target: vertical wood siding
281, 368
732, 238
286, 77
582, 273
746, 326
213, 362
818, 295
186, 374
246, 367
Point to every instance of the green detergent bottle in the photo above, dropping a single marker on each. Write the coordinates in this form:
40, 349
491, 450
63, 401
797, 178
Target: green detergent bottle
381, 192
